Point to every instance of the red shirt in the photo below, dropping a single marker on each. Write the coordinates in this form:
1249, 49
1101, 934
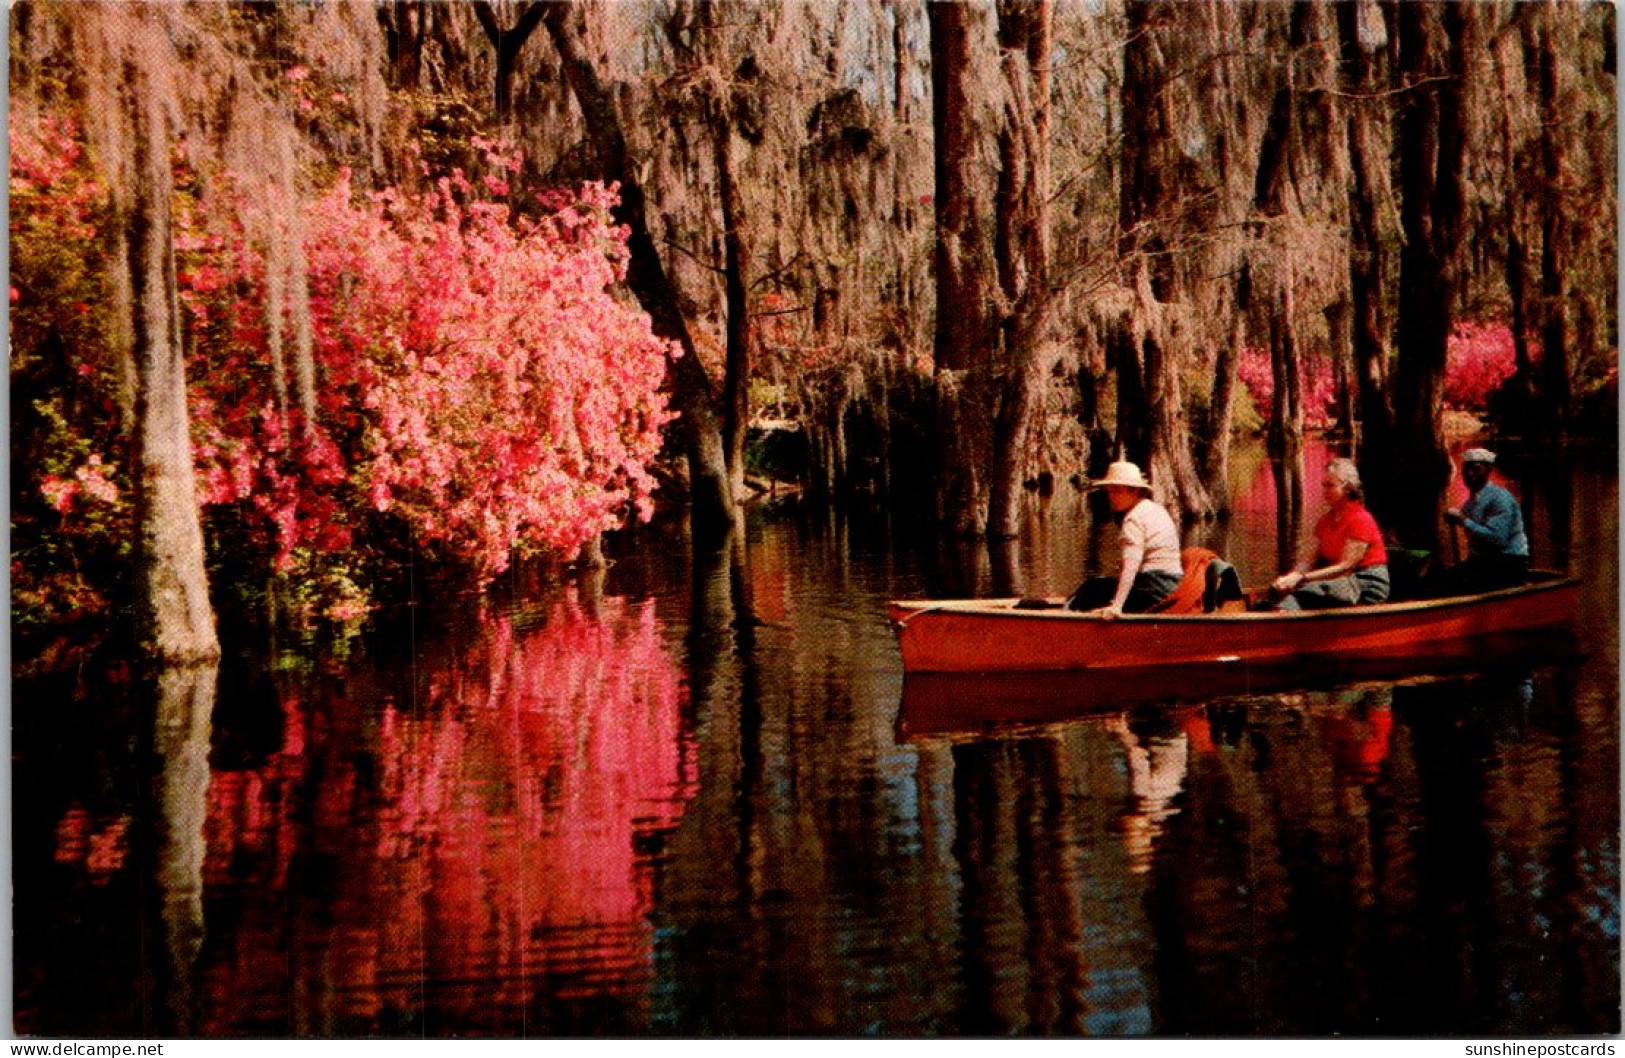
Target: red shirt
1355, 523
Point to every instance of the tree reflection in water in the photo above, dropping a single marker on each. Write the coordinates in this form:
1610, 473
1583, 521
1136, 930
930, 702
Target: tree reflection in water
478, 834
1310, 861
439, 864
181, 745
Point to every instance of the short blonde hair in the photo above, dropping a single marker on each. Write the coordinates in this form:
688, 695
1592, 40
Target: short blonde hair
1346, 474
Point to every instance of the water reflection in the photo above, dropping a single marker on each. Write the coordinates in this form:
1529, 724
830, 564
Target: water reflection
1023, 958
185, 707
1157, 751
1319, 862
466, 849
1355, 725
695, 796
516, 801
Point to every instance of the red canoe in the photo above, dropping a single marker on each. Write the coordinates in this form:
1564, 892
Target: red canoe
993, 635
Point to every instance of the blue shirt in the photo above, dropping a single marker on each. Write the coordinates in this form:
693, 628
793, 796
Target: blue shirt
1494, 523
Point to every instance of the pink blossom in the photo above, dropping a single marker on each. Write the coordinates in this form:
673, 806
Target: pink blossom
58, 492
92, 478
1254, 369
482, 380
347, 610
1481, 356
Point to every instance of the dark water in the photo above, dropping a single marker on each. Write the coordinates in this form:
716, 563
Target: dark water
692, 800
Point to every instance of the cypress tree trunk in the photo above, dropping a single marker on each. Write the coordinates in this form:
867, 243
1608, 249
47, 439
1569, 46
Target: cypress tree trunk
507, 44
1126, 358
1155, 398
1517, 251
737, 262
1273, 197
403, 24
176, 619
1140, 193
276, 280
1021, 246
1222, 25
1367, 338
711, 496
735, 270
304, 339
1432, 150
1173, 461
1091, 378
1554, 237
1222, 417
899, 71
1285, 437
965, 342
1345, 381
1012, 428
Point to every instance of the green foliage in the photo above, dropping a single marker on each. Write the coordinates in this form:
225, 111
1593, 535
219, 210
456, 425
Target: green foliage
771, 398
442, 128
1247, 420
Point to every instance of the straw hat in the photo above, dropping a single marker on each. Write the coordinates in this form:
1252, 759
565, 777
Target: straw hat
1123, 473
1478, 455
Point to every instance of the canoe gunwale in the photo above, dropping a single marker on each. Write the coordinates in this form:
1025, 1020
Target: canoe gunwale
1005, 608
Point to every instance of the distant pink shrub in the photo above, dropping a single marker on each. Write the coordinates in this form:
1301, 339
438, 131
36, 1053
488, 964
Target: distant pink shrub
1319, 392
1480, 357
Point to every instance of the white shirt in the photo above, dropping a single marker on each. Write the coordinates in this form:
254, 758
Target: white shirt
1150, 535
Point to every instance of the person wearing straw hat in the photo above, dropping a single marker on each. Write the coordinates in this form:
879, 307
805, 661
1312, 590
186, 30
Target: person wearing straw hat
1350, 566
1497, 549
1151, 568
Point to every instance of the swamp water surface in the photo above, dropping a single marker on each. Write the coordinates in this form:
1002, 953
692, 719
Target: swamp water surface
616, 808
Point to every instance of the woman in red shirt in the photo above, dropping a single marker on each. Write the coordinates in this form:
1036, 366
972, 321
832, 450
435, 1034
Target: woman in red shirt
1351, 563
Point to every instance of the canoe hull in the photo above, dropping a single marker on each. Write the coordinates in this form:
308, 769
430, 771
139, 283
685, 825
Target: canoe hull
990, 635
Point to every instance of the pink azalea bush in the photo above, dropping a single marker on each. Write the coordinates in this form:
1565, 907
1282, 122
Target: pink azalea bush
1319, 394
480, 380
482, 385
1479, 359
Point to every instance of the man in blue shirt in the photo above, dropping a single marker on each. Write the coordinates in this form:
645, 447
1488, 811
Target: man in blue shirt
1498, 550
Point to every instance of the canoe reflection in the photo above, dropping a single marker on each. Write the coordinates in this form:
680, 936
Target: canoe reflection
970, 705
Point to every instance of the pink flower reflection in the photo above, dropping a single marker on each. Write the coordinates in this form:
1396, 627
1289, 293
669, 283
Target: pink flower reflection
496, 857
100, 848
